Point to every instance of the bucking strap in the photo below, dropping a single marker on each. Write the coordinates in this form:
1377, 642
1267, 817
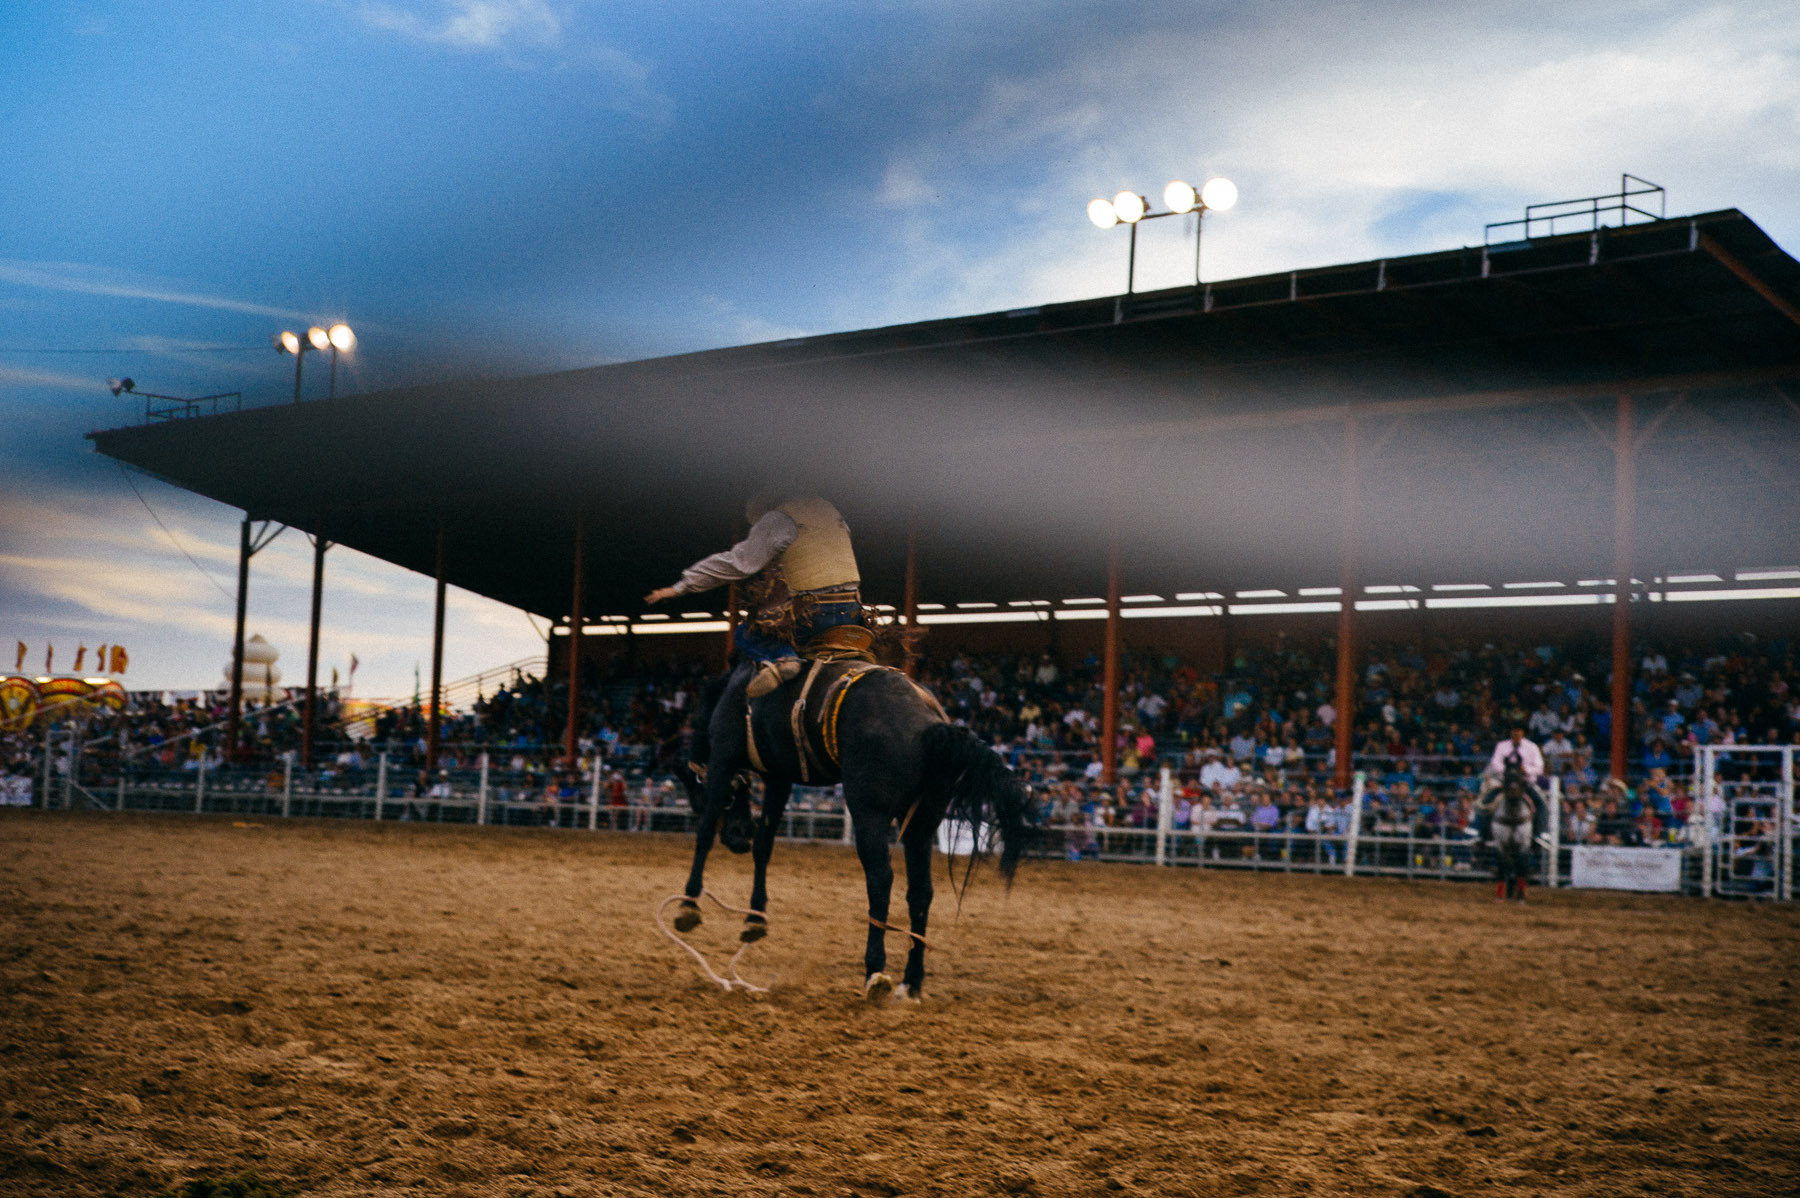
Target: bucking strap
834, 703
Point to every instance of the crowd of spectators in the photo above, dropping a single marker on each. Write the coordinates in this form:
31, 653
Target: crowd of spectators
1251, 746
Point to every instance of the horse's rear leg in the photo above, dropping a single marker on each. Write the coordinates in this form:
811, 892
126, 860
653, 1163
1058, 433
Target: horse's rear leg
918, 906
878, 874
775, 798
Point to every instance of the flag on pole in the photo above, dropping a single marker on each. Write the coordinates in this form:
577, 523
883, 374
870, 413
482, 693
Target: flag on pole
120, 659
20, 664
80, 656
49, 658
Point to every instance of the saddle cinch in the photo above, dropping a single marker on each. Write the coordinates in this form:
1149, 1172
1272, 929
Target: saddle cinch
813, 718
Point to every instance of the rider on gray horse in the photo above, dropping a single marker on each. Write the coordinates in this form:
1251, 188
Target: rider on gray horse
1510, 797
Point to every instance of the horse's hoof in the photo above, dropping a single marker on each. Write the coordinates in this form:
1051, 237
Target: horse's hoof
688, 917
878, 987
755, 928
736, 835
906, 994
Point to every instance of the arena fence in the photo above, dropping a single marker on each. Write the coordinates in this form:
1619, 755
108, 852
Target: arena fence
1735, 847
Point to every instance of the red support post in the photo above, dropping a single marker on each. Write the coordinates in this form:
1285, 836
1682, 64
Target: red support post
731, 607
312, 654
1624, 509
731, 610
433, 725
1345, 700
1109, 721
575, 625
909, 601
234, 720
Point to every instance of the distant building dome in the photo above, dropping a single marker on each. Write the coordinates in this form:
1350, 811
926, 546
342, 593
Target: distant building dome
261, 675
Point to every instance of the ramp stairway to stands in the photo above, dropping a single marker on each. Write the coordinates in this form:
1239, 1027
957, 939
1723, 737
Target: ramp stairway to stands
460, 693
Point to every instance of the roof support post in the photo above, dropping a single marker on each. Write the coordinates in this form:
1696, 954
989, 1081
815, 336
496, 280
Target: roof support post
310, 720
1345, 700
433, 720
1624, 509
235, 718
909, 599
731, 607
570, 738
1109, 700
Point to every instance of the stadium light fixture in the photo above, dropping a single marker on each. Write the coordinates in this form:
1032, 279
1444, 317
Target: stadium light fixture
289, 342
1130, 208
337, 337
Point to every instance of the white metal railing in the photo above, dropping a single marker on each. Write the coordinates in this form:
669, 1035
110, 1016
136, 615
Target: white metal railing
483, 794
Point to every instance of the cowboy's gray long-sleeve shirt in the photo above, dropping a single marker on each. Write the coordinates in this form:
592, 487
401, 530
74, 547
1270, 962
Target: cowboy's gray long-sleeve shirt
768, 538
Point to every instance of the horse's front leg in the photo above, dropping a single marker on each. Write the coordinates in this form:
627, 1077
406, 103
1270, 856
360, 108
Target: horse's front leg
918, 905
718, 788
878, 874
775, 798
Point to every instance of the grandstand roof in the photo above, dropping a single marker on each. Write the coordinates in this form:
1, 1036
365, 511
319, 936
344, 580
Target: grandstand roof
1206, 423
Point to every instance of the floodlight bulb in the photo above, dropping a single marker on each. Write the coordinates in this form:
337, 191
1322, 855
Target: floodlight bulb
319, 337
1180, 197
341, 337
1102, 214
290, 342
1130, 206
1219, 194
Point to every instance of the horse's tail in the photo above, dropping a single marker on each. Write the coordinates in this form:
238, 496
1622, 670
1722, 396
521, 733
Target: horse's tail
982, 790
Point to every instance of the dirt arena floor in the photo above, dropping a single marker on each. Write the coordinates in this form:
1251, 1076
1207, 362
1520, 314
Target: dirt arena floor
404, 1009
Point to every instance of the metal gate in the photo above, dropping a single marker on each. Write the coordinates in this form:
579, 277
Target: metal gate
1746, 798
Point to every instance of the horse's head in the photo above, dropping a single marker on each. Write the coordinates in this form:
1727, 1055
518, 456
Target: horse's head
1512, 778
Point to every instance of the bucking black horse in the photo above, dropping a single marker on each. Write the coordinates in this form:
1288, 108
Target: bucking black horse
898, 757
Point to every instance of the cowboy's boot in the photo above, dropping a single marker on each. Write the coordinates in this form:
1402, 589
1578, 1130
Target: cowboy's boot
771, 674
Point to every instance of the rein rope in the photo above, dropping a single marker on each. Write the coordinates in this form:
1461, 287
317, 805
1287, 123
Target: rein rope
734, 981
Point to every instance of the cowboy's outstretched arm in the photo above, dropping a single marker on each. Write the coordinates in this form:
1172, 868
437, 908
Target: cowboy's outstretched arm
768, 537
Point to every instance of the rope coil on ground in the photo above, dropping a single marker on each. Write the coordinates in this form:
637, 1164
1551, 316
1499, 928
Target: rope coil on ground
735, 981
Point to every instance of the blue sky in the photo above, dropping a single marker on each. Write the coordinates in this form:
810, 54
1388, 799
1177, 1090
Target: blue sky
504, 186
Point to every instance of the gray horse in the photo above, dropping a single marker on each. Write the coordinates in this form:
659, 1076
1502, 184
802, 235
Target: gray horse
1515, 803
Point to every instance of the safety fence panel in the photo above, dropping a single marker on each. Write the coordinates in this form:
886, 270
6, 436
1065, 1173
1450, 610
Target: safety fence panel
1747, 798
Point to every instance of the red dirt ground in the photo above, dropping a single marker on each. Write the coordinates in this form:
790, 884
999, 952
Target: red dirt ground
405, 1009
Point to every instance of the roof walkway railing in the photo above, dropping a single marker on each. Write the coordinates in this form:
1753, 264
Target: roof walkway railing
1540, 220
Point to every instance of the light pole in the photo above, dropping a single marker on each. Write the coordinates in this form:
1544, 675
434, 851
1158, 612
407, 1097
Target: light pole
1130, 208
341, 338
338, 337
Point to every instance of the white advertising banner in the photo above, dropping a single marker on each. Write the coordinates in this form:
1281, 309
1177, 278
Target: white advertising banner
955, 838
1607, 867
